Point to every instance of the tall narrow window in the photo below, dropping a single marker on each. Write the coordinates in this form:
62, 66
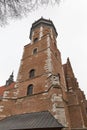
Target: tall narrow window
35, 51
30, 89
32, 73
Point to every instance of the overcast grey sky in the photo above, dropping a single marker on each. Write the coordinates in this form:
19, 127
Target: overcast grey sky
70, 20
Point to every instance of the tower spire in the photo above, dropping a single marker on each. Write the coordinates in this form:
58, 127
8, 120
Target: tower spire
10, 79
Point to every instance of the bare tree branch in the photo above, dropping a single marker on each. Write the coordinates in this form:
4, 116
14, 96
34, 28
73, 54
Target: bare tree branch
10, 9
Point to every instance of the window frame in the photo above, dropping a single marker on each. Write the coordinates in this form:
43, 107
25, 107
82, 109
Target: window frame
30, 90
35, 39
35, 50
32, 73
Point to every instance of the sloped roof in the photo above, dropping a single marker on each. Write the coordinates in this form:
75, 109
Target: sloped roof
4, 88
68, 71
34, 120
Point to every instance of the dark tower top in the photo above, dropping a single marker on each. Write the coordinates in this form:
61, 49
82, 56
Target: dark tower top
41, 23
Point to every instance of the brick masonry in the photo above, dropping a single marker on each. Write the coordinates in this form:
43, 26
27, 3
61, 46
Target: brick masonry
55, 87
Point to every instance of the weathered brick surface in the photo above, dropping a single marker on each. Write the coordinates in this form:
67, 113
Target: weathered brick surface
55, 87
76, 99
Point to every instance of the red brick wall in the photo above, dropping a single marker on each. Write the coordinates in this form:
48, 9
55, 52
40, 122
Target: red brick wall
61, 96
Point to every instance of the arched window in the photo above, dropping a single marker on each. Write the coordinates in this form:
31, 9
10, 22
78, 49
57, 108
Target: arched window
30, 89
32, 73
35, 51
35, 40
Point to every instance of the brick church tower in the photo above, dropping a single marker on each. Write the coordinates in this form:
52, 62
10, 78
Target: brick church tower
41, 76
46, 93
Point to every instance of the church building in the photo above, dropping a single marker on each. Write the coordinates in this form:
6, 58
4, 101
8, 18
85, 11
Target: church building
46, 94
